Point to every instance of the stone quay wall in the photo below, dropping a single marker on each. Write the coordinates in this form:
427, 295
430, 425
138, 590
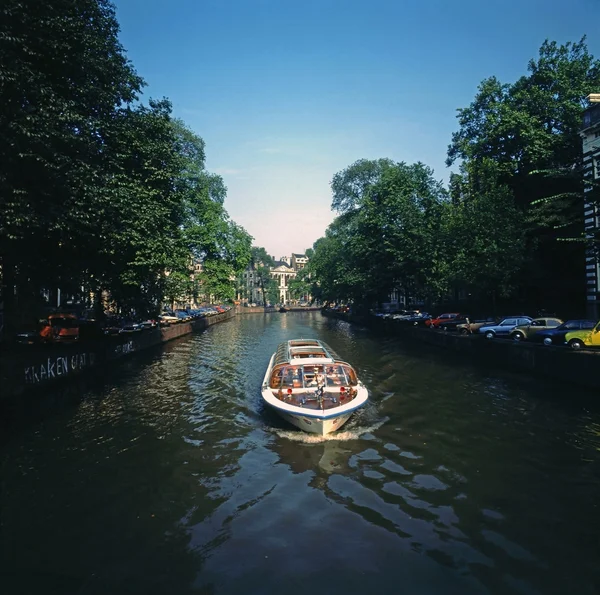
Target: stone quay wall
30, 367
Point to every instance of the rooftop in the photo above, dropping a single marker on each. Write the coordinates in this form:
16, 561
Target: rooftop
281, 263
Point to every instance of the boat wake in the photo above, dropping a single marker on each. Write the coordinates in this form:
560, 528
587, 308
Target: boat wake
350, 433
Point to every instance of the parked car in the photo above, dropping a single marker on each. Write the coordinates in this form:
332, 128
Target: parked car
504, 327
584, 337
168, 318
435, 322
557, 335
527, 331
60, 328
183, 314
27, 337
128, 325
452, 324
469, 326
416, 319
111, 325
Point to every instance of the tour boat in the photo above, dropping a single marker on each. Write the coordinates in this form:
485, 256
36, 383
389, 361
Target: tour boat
311, 387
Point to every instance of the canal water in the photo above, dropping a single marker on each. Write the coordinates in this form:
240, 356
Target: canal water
167, 475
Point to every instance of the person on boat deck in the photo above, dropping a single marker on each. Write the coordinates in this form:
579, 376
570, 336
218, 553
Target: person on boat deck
312, 380
333, 377
319, 377
298, 376
289, 377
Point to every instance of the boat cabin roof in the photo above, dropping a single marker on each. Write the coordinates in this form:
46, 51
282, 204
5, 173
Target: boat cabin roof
304, 349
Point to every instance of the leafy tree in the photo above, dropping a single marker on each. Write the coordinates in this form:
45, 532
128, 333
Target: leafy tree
177, 288
261, 264
63, 76
401, 224
209, 234
484, 235
530, 129
141, 223
338, 268
98, 192
271, 292
349, 187
533, 123
388, 236
300, 286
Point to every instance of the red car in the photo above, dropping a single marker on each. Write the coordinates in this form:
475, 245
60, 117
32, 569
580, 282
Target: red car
435, 322
60, 328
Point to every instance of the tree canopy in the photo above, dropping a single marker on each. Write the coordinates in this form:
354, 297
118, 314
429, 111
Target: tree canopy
98, 192
510, 224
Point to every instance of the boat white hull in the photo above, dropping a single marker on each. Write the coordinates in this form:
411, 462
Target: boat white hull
314, 419
315, 425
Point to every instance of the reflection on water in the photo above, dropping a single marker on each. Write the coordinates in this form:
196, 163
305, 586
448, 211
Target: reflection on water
169, 476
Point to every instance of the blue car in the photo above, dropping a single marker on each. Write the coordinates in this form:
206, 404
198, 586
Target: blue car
504, 327
556, 336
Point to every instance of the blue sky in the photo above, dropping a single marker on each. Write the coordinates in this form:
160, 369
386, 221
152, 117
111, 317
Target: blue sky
287, 93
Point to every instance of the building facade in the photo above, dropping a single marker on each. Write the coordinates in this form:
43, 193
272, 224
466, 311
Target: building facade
590, 135
252, 293
282, 272
299, 261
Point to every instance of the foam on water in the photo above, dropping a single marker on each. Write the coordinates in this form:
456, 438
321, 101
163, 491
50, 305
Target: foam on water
340, 436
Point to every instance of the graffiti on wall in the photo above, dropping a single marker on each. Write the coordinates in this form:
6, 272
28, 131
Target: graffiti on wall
124, 348
57, 366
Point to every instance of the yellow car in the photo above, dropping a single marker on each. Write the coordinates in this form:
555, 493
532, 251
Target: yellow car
579, 339
526, 331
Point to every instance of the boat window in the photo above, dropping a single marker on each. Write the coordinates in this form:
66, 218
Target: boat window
287, 377
304, 353
335, 376
311, 376
314, 376
338, 375
276, 377
292, 377
353, 380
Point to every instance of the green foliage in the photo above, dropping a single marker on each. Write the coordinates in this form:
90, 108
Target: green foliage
178, 287
99, 192
533, 123
388, 237
209, 234
261, 264
402, 225
350, 186
300, 286
141, 220
63, 77
530, 131
216, 280
484, 233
